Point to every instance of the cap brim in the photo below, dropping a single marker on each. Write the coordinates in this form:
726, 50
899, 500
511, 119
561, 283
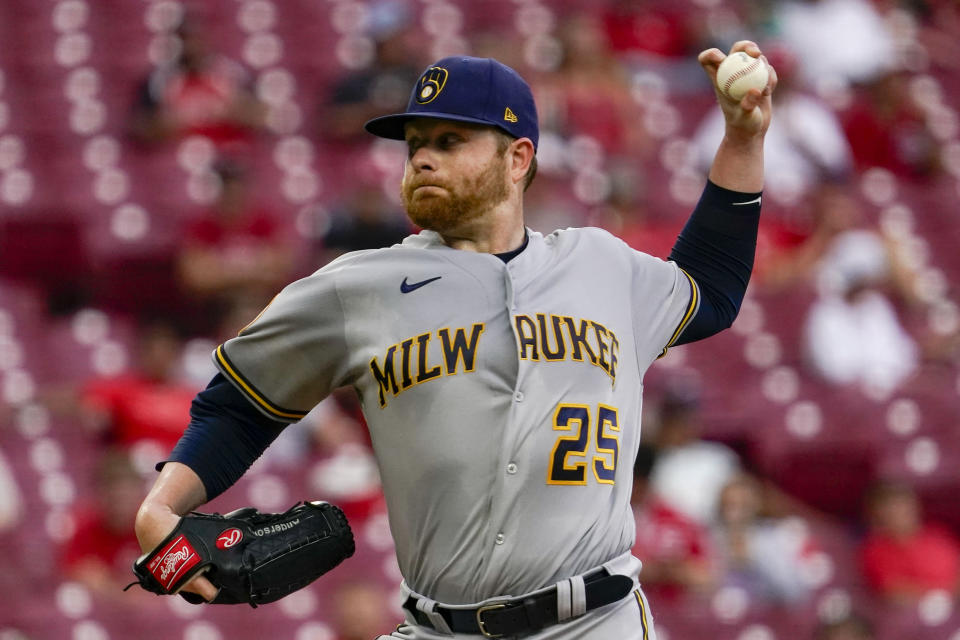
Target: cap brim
391, 126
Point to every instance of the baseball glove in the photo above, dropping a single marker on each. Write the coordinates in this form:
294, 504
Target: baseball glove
250, 556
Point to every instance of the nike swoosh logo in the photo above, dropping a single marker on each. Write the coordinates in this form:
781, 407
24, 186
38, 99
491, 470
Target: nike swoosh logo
754, 201
407, 288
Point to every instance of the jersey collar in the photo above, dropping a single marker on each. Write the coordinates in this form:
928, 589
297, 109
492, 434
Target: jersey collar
522, 268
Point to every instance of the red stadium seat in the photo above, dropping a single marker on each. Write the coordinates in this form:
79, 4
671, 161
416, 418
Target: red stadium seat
44, 249
828, 478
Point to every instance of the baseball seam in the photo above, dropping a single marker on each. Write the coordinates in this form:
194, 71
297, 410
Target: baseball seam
739, 74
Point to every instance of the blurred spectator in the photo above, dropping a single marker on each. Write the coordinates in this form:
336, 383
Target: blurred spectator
237, 256
550, 203
238, 314
805, 145
198, 93
626, 214
103, 546
11, 502
903, 557
660, 29
860, 45
361, 611
335, 423
381, 87
788, 257
364, 219
349, 477
675, 550
148, 403
234, 250
849, 627
762, 555
589, 94
326, 431
689, 472
887, 128
516, 53
853, 334
940, 32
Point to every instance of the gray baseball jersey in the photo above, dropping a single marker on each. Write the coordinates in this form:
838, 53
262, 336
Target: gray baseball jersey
503, 400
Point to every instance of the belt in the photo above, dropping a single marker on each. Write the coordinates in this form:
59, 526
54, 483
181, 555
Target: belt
525, 614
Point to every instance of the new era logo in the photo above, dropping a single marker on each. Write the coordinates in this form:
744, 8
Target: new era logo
509, 116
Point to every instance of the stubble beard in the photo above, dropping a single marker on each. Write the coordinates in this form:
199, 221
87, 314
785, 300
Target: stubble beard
464, 199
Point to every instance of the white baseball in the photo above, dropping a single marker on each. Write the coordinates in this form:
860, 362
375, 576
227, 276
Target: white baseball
739, 72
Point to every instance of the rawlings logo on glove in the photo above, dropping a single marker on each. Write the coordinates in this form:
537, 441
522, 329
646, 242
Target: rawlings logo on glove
250, 556
229, 538
175, 559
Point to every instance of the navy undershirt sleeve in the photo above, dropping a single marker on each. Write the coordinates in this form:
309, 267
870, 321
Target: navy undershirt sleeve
225, 436
717, 247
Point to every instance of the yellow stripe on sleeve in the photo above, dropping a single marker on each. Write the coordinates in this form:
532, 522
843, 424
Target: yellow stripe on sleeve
688, 316
252, 393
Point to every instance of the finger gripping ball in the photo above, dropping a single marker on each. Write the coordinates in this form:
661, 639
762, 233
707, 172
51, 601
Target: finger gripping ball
739, 72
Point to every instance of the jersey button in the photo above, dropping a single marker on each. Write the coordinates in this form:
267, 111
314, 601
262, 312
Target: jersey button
499, 539
511, 468
518, 396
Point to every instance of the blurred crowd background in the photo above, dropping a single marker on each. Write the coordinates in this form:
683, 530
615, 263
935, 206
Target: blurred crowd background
166, 167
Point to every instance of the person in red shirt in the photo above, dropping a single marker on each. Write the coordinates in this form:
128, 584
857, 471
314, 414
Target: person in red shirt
148, 403
198, 93
902, 556
589, 95
103, 546
235, 252
887, 128
656, 30
762, 553
675, 549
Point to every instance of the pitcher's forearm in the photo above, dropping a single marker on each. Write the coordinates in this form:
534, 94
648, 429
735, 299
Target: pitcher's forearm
738, 164
177, 491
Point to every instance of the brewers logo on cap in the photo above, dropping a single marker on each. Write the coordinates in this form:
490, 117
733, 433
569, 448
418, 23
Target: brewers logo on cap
478, 90
431, 84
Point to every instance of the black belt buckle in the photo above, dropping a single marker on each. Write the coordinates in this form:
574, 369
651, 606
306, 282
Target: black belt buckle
482, 625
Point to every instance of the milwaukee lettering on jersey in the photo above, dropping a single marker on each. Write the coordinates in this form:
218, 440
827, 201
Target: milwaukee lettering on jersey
412, 361
277, 528
552, 338
174, 561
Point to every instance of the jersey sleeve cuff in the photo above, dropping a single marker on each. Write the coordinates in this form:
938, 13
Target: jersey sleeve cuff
688, 315
250, 391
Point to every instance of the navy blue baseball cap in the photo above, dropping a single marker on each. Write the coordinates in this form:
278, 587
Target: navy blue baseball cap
465, 89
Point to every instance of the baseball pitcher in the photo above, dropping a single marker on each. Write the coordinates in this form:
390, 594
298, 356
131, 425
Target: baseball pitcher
500, 372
